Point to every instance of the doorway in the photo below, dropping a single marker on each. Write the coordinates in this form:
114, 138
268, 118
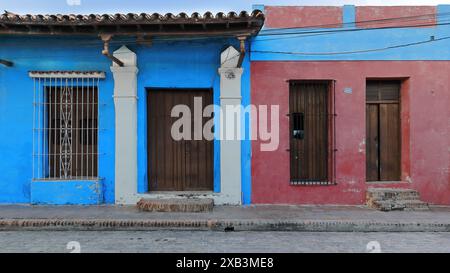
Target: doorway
383, 145
177, 165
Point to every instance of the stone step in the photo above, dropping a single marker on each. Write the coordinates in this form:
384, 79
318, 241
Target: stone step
387, 199
400, 205
390, 193
176, 205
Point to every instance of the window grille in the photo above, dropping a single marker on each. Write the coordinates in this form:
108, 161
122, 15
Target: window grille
65, 125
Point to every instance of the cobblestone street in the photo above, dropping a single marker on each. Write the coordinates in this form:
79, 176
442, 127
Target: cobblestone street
207, 241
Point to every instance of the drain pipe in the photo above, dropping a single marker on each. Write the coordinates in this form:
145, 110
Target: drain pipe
106, 39
242, 49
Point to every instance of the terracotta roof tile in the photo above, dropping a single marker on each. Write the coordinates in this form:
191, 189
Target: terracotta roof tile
151, 24
9, 17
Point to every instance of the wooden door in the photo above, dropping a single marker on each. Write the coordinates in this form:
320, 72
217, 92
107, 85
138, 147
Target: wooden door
383, 131
308, 112
177, 165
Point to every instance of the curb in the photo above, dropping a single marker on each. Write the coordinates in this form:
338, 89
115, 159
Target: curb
217, 225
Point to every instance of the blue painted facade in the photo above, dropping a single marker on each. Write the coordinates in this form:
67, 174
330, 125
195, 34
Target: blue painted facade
170, 64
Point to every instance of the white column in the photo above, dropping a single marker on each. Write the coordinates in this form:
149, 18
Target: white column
230, 144
125, 103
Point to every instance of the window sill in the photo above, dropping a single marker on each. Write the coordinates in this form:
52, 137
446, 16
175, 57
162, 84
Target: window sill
388, 182
312, 183
78, 179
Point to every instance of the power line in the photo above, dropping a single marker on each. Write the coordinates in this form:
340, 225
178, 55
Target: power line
349, 30
300, 53
303, 53
306, 34
302, 33
352, 52
415, 18
298, 34
130, 41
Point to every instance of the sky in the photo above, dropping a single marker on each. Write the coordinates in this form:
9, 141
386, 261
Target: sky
175, 6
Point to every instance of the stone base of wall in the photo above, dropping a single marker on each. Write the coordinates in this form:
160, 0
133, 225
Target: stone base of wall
64, 192
176, 205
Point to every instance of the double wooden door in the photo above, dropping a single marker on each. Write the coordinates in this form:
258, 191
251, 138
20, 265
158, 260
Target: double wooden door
177, 165
383, 131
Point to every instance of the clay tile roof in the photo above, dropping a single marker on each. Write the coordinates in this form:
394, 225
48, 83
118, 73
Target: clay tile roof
132, 23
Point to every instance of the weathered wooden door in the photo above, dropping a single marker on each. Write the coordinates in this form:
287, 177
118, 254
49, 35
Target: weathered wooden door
177, 165
383, 131
308, 112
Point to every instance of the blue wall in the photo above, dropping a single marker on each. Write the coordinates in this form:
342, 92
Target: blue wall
316, 41
16, 120
188, 64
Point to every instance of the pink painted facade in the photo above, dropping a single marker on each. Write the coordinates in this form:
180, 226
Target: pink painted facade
289, 17
425, 128
376, 16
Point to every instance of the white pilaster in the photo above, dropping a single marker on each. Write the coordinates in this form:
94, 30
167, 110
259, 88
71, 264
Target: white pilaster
230, 144
125, 103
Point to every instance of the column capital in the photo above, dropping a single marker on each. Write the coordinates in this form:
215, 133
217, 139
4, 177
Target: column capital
125, 55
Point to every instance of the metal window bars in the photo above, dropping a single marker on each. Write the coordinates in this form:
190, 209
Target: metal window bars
65, 125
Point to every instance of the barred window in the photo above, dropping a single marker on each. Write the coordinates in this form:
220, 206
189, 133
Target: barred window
65, 125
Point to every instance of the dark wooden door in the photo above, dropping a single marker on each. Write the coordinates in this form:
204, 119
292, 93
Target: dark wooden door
383, 131
177, 165
308, 112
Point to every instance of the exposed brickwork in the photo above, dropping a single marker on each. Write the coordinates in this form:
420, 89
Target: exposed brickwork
223, 225
176, 205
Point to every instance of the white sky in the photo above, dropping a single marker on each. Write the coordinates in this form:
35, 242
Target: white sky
175, 6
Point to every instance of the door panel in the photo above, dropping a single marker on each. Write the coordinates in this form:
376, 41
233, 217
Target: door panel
184, 165
309, 131
389, 142
372, 137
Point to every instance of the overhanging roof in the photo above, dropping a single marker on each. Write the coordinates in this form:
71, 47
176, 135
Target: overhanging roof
154, 24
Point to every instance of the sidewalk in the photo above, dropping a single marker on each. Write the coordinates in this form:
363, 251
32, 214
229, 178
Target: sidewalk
225, 218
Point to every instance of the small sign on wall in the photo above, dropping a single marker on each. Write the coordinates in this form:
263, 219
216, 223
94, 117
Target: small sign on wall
348, 90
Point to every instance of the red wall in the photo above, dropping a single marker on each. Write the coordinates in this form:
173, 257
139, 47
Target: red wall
425, 128
290, 17
372, 16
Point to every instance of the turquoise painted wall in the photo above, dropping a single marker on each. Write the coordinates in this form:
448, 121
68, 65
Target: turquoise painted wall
16, 120
164, 64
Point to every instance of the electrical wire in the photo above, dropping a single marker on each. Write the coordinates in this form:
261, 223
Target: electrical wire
305, 53
302, 33
351, 29
353, 52
131, 41
384, 20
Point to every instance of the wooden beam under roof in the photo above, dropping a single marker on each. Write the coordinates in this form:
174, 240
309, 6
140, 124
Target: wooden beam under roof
6, 63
